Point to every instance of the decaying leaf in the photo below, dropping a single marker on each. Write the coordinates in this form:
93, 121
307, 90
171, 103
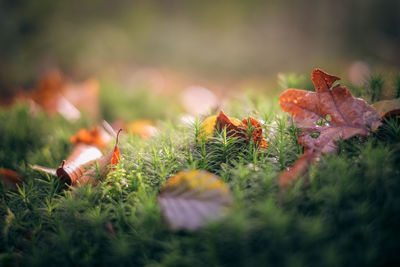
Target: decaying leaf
331, 112
80, 160
257, 133
191, 198
84, 167
85, 164
388, 108
10, 178
234, 128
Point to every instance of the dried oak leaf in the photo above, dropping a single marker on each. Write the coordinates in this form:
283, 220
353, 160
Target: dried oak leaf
342, 115
191, 198
388, 108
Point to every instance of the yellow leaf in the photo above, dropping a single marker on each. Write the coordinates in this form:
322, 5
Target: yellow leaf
191, 198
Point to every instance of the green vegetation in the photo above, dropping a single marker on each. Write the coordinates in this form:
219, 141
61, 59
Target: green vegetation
345, 212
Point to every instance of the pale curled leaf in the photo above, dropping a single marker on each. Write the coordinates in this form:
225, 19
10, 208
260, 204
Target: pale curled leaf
86, 164
81, 158
191, 198
102, 167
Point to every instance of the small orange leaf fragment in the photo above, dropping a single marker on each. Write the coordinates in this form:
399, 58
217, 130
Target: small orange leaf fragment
96, 136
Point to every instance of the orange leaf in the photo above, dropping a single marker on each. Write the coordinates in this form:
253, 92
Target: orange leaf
10, 178
256, 133
237, 128
234, 127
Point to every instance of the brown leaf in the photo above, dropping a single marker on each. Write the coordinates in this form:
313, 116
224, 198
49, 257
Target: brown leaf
237, 128
345, 115
10, 178
102, 167
234, 127
86, 164
257, 133
342, 116
387, 108
81, 158
299, 167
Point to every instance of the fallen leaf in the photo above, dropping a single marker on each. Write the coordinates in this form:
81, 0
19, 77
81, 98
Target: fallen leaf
86, 166
81, 158
234, 128
300, 166
257, 133
344, 115
341, 115
10, 178
191, 198
387, 108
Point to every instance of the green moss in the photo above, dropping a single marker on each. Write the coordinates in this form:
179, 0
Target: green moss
345, 211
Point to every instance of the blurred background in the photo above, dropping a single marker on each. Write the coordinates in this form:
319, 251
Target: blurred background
169, 45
